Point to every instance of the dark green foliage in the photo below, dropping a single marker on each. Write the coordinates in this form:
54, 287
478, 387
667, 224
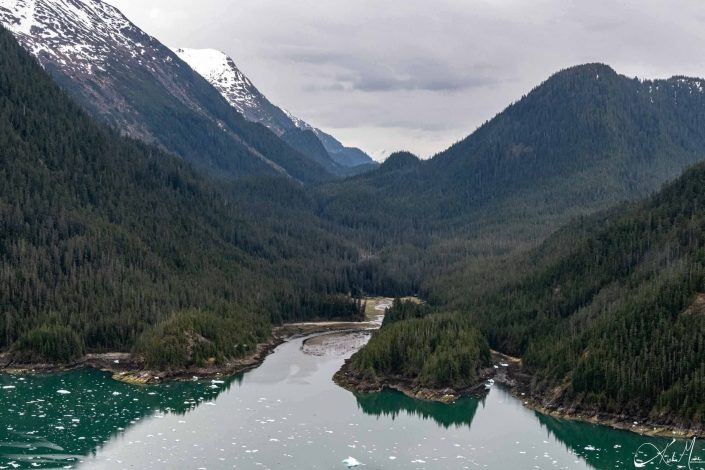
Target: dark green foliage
440, 350
55, 344
401, 310
392, 403
195, 337
612, 308
306, 143
110, 237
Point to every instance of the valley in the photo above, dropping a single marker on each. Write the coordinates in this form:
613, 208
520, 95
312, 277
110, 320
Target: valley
161, 218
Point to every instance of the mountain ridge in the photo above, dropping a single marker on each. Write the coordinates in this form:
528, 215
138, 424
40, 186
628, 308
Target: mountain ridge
128, 79
221, 71
582, 140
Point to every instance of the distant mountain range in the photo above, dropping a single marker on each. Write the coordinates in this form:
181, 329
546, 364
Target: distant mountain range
130, 80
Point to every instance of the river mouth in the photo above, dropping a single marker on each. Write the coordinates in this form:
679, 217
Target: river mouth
287, 413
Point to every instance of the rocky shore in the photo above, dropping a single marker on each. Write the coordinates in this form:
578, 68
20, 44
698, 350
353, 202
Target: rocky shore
508, 372
127, 368
350, 380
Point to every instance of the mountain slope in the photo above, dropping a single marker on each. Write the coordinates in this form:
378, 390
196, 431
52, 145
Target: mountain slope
346, 156
133, 82
109, 244
586, 132
610, 315
585, 139
221, 71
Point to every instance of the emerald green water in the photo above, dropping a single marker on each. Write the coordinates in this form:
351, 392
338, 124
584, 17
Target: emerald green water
289, 414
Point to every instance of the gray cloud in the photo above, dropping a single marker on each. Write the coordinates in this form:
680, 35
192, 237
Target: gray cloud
418, 74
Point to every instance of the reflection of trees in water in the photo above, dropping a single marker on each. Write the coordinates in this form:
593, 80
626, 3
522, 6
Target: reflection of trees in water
606, 448
391, 403
51, 427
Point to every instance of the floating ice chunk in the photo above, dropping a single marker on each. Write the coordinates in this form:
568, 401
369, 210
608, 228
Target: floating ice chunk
504, 364
217, 381
63, 392
351, 462
8, 387
589, 447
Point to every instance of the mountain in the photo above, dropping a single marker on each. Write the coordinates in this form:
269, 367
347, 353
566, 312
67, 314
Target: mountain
107, 243
607, 313
221, 71
346, 156
585, 139
131, 81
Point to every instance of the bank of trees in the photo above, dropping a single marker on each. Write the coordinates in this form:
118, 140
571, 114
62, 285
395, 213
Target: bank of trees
438, 350
104, 240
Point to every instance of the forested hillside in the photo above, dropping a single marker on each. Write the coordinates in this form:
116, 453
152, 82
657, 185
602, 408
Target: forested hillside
584, 140
612, 311
427, 350
106, 243
607, 314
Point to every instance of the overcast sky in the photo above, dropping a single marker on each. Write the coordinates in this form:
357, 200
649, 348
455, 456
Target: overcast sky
419, 75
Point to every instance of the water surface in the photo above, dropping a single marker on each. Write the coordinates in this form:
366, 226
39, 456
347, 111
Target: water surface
288, 414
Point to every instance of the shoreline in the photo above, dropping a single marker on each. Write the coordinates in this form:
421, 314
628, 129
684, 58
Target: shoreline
515, 379
125, 368
518, 382
350, 381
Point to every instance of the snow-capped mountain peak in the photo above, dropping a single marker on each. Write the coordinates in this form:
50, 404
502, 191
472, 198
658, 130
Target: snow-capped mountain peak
78, 34
131, 81
221, 71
